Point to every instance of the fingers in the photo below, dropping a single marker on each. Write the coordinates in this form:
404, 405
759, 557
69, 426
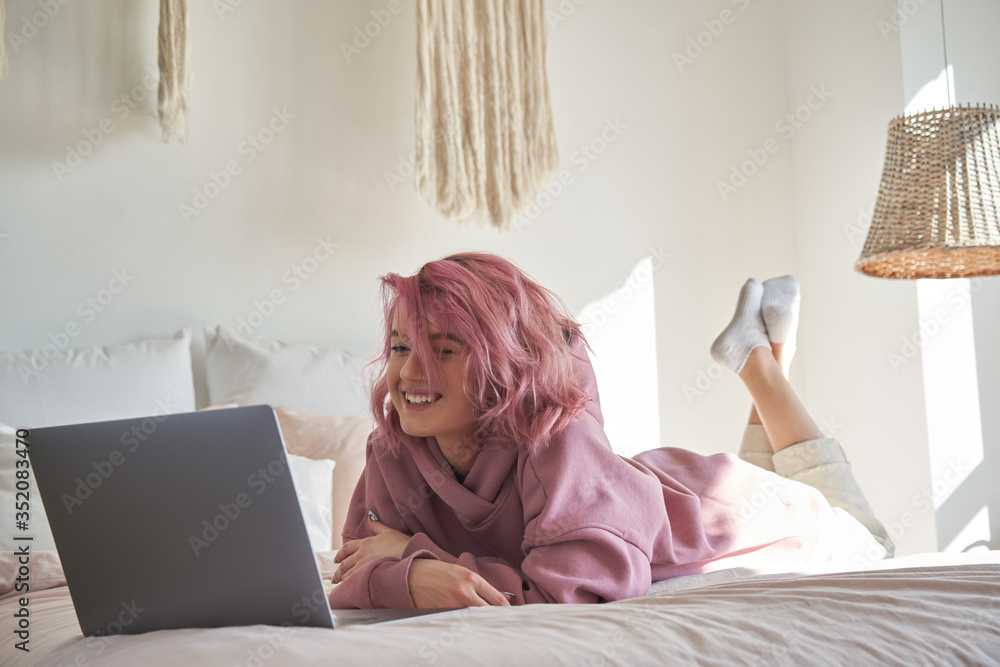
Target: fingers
345, 569
490, 595
346, 550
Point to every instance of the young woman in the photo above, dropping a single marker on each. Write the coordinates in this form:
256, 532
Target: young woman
489, 479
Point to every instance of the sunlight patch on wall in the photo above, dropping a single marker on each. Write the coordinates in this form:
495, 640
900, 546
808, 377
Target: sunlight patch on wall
951, 385
934, 93
975, 536
621, 329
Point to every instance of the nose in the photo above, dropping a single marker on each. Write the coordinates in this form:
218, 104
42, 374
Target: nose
412, 370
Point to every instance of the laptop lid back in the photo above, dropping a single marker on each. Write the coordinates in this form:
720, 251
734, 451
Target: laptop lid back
178, 521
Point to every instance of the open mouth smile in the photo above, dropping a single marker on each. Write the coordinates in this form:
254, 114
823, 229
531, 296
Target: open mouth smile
420, 399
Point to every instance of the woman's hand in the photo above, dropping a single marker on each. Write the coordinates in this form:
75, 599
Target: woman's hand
438, 585
385, 542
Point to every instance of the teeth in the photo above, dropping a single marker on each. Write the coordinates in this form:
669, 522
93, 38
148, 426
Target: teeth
410, 398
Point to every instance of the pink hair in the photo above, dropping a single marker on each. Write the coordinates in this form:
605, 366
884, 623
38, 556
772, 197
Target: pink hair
518, 370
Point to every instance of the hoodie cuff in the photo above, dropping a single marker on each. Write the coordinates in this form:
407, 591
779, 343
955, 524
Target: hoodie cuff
421, 542
388, 585
389, 582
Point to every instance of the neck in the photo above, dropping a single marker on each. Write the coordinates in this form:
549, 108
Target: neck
461, 452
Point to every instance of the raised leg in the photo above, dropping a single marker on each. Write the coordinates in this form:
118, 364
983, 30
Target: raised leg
776, 404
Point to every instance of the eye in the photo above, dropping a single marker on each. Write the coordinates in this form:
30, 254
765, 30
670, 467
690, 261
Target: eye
400, 349
445, 352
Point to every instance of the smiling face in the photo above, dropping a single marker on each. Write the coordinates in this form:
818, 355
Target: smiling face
447, 414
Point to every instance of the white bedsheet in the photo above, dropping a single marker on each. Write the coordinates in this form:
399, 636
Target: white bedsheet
932, 609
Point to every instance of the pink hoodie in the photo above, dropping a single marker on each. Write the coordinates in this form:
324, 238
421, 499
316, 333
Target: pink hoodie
568, 522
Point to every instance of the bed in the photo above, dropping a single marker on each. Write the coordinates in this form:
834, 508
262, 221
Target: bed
933, 609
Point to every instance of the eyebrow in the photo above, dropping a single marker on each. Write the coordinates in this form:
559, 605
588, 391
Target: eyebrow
437, 336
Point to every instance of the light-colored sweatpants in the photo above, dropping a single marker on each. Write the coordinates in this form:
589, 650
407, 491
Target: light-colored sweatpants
821, 464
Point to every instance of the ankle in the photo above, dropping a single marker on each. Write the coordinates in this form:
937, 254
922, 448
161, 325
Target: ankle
760, 365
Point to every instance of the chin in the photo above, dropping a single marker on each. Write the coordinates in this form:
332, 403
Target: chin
411, 430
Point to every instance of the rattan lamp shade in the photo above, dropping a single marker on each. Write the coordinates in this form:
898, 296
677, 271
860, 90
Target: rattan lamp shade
937, 214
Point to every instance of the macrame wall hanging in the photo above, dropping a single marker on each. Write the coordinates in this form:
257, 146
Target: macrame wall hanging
174, 61
485, 140
175, 69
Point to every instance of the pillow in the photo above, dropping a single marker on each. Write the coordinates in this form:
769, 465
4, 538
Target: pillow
249, 370
343, 439
313, 481
51, 387
38, 523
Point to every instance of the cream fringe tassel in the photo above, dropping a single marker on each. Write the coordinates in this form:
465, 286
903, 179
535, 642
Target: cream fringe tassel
485, 140
175, 69
3, 40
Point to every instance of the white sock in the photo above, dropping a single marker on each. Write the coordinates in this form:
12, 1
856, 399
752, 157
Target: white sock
779, 307
745, 331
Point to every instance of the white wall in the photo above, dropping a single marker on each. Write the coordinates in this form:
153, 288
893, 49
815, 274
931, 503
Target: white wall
653, 191
973, 52
960, 360
850, 322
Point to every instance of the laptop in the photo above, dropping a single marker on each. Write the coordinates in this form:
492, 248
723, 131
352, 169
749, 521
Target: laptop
186, 520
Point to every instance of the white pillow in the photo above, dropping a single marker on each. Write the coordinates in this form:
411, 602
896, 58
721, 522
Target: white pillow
38, 523
313, 481
250, 370
51, 387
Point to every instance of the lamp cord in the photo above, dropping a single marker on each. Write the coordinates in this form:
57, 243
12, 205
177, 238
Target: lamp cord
944, 45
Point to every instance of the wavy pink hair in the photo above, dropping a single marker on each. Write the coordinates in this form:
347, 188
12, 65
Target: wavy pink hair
518, 370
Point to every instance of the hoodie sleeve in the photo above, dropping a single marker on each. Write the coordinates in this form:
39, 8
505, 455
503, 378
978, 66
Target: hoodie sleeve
590, 520
590, 565
381, 583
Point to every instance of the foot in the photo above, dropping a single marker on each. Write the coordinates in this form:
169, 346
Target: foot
780, 310
744, 332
